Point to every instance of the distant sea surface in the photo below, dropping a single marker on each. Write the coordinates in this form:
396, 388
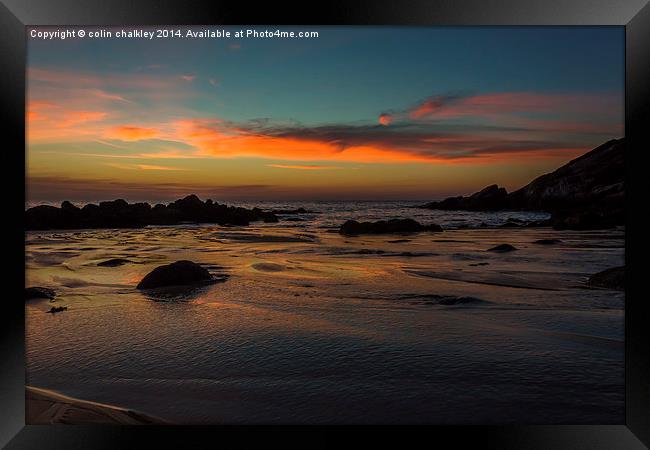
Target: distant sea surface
316, 327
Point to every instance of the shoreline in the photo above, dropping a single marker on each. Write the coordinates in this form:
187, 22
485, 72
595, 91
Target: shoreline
47, 407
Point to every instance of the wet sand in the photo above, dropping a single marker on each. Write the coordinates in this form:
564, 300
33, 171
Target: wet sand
315, 327
45, 407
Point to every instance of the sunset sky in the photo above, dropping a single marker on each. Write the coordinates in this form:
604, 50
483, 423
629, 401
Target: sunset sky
366, 113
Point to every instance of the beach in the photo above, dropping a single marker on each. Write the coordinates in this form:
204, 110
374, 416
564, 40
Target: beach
311, 326
46, 407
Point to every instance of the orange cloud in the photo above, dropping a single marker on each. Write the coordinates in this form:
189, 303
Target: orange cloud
36, 108
385, 119
350, 143
217, 139
72, 118
188, 78
303, 167
142, 167
133, 133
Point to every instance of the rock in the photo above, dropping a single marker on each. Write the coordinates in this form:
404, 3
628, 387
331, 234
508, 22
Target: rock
586, 220
179, 273
547, 241
38, 292
613, 278
502, 248
268, 267
595, 180
491, 198
352, 227
113, 262
120, 214
445, 300
67, 206
586, 193
56, 309
44, 217
459, 300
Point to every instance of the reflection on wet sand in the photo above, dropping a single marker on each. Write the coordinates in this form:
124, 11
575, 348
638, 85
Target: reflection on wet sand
385, 328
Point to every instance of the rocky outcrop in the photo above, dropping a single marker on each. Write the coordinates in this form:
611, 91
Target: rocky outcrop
586, 193
613, 278
353, 228
492, 198
595, 181
179, 273
120, 214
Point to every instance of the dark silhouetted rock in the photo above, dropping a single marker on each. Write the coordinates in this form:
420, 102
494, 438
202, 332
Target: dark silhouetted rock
586, 193
56, 309
445, 300
460, 300
120, 214
503, 248
352, 227
113, 262
491, 198
179, 273
613, 278
44, 217
586, 220
38, 292
547, 241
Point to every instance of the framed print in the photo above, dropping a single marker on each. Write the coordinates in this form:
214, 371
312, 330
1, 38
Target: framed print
354, 214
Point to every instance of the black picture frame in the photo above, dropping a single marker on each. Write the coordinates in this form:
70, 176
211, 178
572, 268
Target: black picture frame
634, 15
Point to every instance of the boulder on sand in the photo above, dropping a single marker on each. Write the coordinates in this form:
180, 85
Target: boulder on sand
179, 273
38, 292
114, 262
352, 227
503, 248
613, 278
